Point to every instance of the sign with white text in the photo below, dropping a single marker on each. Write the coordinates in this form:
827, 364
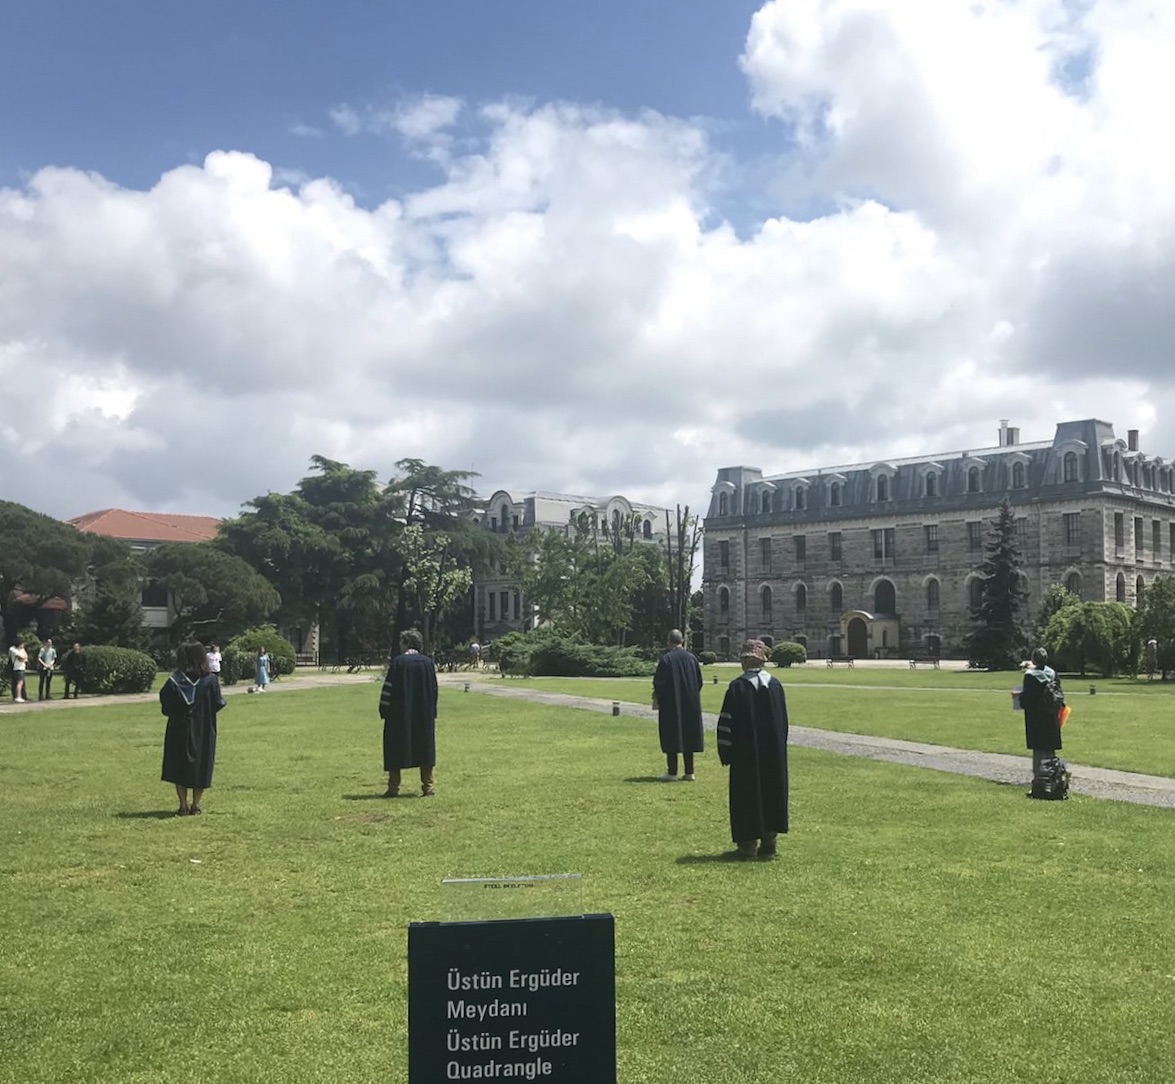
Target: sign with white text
516, 999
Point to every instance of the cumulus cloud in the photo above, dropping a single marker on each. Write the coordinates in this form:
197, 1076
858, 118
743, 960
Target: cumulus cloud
563, 309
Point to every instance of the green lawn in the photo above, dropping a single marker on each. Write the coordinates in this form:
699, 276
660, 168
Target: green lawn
918, 926
1129, 725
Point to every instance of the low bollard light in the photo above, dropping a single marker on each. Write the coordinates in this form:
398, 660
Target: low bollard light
615, 707
467, 686
1093, 690
715, 679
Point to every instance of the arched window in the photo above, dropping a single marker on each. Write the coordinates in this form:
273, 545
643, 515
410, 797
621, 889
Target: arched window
801, 499
836, 597
932, 595
723, 504
973, 480
884, 600
1073, 583
1117, 467
723, 600
801, 599
505, 520
975, 593
1071, 467
1017, 475
834, 495
765, 601
1139, 587
765, 502
647, 529
882, 487
931, 484
1120, 588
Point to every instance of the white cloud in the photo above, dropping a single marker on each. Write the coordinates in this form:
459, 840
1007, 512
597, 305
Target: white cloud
561, 310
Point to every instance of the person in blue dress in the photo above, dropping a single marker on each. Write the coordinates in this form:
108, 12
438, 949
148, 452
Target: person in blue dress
261, 669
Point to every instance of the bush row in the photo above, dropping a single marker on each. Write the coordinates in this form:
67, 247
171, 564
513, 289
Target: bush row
544, 653
115, 670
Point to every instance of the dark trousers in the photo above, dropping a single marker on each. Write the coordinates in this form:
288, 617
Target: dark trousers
671, 763
74, 682
1039, 756
44, 686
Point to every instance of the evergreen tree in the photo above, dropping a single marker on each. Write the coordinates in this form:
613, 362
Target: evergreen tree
1155, 620
997, 641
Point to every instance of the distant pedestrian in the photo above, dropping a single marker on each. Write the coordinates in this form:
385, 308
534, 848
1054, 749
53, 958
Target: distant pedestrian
408, 707
261, 669
475, 655
677, 699
752, 740
214, 660
46, 663
71, 670
18, 661
190, 699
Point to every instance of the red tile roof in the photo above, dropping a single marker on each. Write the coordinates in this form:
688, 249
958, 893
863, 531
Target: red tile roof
148, 526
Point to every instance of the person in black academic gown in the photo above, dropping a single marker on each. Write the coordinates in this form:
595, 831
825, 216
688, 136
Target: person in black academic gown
190, 699
1042, 726
677, 698
408, 707
752, 740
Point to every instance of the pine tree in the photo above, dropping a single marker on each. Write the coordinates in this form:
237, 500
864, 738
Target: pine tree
997, 641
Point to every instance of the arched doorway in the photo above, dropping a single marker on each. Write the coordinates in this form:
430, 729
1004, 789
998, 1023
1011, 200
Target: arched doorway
858, 638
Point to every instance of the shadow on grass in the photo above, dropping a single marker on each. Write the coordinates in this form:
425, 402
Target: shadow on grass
147, 815
374, 796
644, 779
725, 858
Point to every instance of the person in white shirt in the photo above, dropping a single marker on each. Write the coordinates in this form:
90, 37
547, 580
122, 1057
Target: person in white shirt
18, 660
46, 663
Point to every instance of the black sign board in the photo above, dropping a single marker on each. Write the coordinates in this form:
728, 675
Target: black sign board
514, 999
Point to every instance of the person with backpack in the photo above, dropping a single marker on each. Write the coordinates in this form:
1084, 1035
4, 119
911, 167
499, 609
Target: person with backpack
1042, 700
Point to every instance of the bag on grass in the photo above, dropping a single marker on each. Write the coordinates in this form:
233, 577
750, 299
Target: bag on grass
1051, 783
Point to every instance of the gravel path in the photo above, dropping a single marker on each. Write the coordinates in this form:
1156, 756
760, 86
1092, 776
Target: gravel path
997, 767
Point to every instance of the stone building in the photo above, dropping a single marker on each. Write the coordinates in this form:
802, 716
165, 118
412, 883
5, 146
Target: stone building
499, 606
880, 559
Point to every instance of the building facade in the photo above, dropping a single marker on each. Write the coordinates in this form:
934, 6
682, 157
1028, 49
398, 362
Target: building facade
499, 605
882, 559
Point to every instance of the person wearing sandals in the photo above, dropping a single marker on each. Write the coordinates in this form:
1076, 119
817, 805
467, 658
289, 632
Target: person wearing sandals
408, 707
261, 669
190, 699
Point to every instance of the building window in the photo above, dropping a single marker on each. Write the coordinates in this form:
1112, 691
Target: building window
724, 646
1157, 540
724, 555
1139, 588
975, 536
1073, 583
836, 597
1073, 530
723, 600
647, 528
1120, 588
1071, 472
1117, 467
1119, 532
1017, 475
723, 504
931, 484
1021, 531
975, 593
931, 530
505, 600
801, 499
834, 545
882, 487
932, 596
834, 495
801, 599
883, 543
884, 598
492, 603
1138, 537
801, 548
765, 502
765, 601
765, 553
517, 604
973, 480
153, 595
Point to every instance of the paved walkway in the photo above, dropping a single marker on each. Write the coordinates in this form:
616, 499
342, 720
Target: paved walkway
997, 767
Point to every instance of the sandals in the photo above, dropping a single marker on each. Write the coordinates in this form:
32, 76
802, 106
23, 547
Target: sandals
195, 811
183, 811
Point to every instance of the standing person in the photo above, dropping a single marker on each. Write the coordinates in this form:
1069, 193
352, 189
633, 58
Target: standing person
18, 661
475, 655
408, 707
677, 699
1042, 725
214, 660
261, 669
752, 740
46, 661
190, 699
71, 670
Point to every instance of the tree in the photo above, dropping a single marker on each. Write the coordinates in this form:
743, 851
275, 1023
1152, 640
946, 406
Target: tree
1092, 635
681, 548
1155, 620
997, 641
1056, 597
431, 580
213, 593
108, 603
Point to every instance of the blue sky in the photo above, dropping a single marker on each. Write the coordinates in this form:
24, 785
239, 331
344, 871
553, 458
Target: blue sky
583, 248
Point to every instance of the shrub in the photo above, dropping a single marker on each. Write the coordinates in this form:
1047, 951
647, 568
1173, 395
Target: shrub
707, 658
788, 654
237, 656
545, 653
115, 670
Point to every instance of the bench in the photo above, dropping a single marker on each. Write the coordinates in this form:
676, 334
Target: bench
832, 660
925, 660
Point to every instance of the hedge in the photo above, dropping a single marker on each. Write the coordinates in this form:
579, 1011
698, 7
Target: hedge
544, 653
237, 658
787, 653
707, 658
115, 670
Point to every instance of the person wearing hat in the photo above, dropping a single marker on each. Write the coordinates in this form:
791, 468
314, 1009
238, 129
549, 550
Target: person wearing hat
677, 699
752, 742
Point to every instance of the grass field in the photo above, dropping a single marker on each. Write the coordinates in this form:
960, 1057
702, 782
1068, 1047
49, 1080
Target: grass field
918, 926
1129, 725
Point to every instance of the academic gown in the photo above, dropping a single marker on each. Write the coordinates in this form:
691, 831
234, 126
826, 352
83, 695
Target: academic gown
408, 707
677, 685
752, 740
1042, 728
189, 743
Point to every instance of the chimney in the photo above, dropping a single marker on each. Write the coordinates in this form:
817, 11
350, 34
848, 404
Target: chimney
1013, 435
1003, 431
1132, 439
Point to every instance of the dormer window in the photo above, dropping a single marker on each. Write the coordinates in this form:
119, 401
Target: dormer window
973, 480
1017, 475
882, 488
765, 502
801, 499
723, 505
834, 495
931, 484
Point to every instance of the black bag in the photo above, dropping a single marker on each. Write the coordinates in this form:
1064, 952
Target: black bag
1051, 783
1054, 697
